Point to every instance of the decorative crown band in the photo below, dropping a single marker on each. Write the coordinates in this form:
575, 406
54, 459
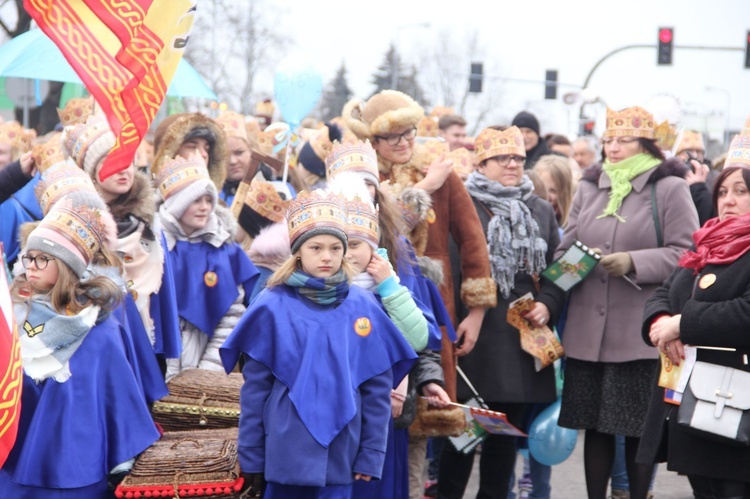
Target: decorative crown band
490, 143
362, 221
630, 122
177, 173
263, 199
356, 157
316, 210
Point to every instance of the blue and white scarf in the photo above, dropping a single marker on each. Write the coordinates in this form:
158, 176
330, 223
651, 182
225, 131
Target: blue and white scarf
323, 291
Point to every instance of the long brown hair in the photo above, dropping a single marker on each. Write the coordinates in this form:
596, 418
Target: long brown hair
389, 219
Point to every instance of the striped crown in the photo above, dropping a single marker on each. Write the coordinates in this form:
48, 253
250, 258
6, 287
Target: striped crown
362, 221
263, 199
357, 157
739, 151
630, 122
76, 111
177, 173
81, 136
490, 143
316, 211
82, 225
60, 181
17, 136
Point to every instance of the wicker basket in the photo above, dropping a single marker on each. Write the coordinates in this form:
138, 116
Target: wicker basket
200, 399
186, 464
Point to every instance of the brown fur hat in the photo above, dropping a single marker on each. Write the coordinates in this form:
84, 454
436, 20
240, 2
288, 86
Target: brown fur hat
171, 133
384, 112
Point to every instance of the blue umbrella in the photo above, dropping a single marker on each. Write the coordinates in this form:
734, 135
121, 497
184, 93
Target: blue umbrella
34, 55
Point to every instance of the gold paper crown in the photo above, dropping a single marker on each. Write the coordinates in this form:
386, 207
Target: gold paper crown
362, 221
427, 127
739, 152
49, 153
252, 128
316, 210
18, 137
321, 142
76, 111
427, 152
358, 157
630, 122
178, 173
691, 140
263, 199
60, 181
233, 124
267, 139
490, 143
463, 161
82, 225
665, 136
440, 111
265, 108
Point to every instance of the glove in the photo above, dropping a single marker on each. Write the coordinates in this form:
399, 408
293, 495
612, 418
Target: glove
254, 486
617, 264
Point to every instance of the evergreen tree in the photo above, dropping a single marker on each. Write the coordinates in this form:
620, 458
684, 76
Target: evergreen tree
336, 94
407, 78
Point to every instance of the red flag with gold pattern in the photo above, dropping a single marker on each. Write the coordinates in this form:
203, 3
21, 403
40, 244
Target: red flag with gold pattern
125, 52
11, 373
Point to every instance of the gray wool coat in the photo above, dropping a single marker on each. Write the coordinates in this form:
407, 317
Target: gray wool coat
605, 313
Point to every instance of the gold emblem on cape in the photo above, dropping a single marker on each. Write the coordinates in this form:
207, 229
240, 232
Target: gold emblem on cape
32, 331
431, 217
707, 280
210, 278
362, 326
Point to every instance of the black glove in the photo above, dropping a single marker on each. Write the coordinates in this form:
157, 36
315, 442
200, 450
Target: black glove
114, 479
254, 486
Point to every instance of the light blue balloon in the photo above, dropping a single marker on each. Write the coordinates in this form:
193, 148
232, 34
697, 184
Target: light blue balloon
297, 87
549, 443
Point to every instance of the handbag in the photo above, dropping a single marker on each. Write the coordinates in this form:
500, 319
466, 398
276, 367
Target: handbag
716, 404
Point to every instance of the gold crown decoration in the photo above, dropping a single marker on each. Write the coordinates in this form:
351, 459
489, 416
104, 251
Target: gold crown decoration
691, 140
739, 151
263, 199
320, 141
490, 143
358, 157
233, 124
84, 226
80, 137
427, 127
252, 128
463, 161
48, 153
265, 108
269, 138
630, 122
362, 221
76, 111
320, 211
177, 173
440, 111
60, 181
665, 135
427, 152
19, 138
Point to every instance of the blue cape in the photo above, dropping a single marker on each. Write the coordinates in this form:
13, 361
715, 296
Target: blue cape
319, 353
202, 305
163, 309
16, 211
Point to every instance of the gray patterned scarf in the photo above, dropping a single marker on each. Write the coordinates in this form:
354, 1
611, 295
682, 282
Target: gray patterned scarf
514, 240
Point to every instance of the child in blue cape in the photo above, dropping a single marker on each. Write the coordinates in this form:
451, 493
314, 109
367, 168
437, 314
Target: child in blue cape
213, 277
321, 359
83, 416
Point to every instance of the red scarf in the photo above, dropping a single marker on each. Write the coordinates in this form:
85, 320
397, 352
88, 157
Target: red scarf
718, 242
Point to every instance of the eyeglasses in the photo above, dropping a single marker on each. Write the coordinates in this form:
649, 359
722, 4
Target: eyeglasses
395, 139
505, 159
40, 261
620, 140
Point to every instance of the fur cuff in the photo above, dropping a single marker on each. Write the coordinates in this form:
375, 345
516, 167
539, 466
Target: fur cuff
434, 422
481, 292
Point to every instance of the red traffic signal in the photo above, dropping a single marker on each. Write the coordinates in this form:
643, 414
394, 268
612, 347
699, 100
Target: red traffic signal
664, 50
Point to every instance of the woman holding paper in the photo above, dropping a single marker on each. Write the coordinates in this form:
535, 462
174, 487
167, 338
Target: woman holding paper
706, 302
521, 231
636, 209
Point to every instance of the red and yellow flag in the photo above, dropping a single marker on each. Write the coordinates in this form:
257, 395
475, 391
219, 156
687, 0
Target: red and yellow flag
11, 373
125, 52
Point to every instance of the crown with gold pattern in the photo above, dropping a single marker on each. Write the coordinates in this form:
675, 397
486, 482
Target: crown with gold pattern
320, 142
427, 127
269, 138
62, 180
49, 153
315, 213
490, 143
691, 140
439, 111
665, 135
263, 199
739, 151
463, 161
358, 157
427, 152
233, 124
76, 111
630, 122
19, 138
362, 221
177, 173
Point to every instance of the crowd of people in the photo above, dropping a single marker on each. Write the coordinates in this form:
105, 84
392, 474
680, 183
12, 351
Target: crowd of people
351, 277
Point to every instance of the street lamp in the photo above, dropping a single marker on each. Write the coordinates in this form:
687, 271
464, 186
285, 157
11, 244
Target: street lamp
394, 72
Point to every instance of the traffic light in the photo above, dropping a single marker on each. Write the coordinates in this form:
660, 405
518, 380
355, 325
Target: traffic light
747, 51
664, 58
550, 84
475, 77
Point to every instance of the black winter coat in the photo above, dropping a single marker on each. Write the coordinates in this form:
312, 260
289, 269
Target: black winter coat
12, 180
716, 316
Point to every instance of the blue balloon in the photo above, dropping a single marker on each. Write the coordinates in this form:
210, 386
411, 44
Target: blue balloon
297, 87
549, 443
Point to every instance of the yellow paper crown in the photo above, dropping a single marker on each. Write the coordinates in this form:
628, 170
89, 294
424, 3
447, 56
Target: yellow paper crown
739, 151
630, 122
665, 135
318, 211
18, 137
269, 138
320, 141
358, 157
463, 161
62, 180
263, 199
490, 143
178, 173
362, 221
49, 153
691, 140
233, 124
427, 152
427, 127
76, 111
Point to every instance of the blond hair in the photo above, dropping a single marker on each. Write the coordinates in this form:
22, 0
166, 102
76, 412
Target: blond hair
286, 270
558, 169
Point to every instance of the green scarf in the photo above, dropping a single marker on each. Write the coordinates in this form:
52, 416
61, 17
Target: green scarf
621, 173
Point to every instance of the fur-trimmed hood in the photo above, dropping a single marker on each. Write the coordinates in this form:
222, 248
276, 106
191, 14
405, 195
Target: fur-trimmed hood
673, 167
171, 133
270, 249
384, 112
220, 229
139, 201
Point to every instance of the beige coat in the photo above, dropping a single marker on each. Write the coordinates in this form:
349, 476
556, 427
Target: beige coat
605, 313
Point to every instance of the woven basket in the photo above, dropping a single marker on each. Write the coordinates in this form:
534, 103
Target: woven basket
200, 399
193, 463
